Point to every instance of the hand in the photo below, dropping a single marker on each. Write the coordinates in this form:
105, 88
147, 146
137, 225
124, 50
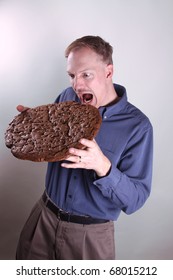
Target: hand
89, 158
21, 108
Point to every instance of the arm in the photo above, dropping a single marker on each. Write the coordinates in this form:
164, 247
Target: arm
127, 184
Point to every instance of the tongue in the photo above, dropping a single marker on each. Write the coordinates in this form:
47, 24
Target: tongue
87, 97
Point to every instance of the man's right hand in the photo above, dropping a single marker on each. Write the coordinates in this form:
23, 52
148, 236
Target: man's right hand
21, 108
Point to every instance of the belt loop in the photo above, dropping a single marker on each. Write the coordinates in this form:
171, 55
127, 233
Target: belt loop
69, 218
45, 198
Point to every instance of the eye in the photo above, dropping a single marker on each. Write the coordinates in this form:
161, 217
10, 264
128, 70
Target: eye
71, 75
87, 75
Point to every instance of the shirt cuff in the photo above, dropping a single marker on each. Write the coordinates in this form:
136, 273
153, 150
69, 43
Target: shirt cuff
110, 180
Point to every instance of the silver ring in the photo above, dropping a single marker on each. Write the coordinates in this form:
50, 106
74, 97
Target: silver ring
80, 159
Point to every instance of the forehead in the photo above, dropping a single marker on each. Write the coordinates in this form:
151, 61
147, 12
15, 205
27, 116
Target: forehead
83, 58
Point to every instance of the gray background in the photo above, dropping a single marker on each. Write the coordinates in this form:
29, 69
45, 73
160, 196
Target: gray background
33, 36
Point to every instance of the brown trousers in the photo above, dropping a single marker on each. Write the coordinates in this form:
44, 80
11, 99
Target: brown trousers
45, 237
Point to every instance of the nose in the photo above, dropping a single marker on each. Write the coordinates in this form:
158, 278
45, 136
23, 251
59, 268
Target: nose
77, 83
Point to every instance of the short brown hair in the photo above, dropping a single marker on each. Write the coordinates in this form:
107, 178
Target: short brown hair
96, 43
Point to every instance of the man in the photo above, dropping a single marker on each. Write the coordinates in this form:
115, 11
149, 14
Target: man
86, 193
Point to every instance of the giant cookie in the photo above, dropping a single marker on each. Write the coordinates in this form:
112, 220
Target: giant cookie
46, 133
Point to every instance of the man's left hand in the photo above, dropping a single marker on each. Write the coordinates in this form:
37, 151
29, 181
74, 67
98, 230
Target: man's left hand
89, 158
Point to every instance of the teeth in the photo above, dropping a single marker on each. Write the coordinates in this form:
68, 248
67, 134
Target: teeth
87, 101
87, 97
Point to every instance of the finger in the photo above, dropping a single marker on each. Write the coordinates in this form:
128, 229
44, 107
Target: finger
72, 164
88, 143
21, 108
74, 159
77, 152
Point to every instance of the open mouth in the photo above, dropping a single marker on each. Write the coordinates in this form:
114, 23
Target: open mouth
87, 98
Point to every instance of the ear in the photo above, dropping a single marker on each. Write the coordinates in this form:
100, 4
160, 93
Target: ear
109, 71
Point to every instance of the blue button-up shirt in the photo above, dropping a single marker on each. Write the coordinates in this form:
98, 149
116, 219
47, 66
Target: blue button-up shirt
125, 137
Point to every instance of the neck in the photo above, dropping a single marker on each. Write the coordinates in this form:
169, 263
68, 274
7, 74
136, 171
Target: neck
113, 96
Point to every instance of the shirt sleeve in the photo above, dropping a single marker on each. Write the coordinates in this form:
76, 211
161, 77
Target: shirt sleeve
66, 95
128, 184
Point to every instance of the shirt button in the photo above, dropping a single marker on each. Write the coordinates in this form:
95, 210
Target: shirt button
70, 196
75, 177
105, 117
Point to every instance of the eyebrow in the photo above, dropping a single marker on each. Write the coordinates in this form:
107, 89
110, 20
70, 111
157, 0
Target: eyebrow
85, 70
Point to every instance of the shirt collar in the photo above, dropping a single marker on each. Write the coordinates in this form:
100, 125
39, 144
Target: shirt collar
107, 111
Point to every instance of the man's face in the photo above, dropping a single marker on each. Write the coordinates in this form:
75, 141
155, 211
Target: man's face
89, 76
